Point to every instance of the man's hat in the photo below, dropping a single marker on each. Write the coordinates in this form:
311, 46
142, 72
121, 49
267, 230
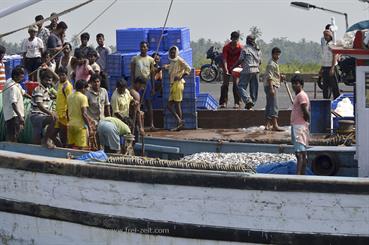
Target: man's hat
33, 28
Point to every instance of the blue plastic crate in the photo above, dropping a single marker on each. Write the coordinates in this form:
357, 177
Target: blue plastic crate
207, 102
119, 64
187, 105
189, 118
179, 37
129, 39
197, 81
127, 58
334, 103
154, 37
189, 92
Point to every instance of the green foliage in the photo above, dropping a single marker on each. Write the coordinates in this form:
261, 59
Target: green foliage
308, 68
11, 48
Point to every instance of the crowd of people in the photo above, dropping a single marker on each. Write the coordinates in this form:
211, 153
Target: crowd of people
245, 86
70, 106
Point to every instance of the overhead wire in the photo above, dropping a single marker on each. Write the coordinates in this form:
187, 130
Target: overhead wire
76, 36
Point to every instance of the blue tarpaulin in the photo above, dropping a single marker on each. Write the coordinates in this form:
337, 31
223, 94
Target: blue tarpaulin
99, 156
280, 168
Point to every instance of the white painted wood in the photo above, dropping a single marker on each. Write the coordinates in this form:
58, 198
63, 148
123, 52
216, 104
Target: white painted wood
20, 229
362, 119
247, 209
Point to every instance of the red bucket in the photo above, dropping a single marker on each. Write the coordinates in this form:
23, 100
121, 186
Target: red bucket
236, 72
30, 86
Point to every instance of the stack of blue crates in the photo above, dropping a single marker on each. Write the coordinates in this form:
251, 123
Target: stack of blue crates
129, 39
188, 104
128, 45
179, 37
10, 63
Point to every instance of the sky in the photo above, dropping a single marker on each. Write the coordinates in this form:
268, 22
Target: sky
213, 19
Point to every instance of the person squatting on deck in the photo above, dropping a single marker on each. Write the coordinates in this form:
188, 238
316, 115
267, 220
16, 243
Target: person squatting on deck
178, 69
250, 59
142, 66
231, 54
328, 71
13, 107
272, 81
300, 118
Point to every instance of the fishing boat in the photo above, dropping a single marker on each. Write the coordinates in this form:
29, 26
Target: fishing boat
46, 198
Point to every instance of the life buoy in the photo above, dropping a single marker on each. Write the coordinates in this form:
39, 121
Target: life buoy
325, 164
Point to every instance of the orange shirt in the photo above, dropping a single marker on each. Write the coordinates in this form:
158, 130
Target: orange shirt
231, 54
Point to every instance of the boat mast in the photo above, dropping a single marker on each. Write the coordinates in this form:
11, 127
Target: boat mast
17, 7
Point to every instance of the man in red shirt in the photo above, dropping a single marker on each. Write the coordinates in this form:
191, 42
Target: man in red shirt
231, 54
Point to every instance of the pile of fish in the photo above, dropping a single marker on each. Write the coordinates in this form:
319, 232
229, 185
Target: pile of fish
245, 162
235, 162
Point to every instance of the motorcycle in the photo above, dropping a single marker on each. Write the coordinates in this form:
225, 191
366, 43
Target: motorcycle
346, 72
210, 72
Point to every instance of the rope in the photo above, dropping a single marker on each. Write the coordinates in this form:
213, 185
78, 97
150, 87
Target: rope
87, 26
161, 37
47, 19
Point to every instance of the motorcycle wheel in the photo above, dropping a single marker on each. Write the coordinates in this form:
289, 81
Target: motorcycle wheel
208, 73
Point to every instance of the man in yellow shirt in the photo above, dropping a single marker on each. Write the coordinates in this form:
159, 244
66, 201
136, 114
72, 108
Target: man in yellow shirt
121, 100
78, 119
65, 88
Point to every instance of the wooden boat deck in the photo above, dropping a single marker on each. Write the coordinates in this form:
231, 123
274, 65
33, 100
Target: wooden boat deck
250, 135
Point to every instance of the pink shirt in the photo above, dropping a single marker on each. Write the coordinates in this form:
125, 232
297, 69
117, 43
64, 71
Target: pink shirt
83, 72
297, 116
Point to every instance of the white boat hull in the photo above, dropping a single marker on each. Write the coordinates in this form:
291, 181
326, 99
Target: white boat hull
93, 203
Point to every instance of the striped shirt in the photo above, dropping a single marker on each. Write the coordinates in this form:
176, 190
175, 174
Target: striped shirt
41, 94
2, 72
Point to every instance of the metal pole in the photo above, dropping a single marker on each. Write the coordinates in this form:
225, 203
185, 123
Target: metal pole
17, 7
335, 12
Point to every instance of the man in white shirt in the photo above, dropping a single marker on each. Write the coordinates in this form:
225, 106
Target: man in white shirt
328, 69
13, 107
32, 49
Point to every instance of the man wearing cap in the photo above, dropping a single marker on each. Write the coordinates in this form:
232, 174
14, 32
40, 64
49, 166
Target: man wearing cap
250, 59
32, 49
328, 70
